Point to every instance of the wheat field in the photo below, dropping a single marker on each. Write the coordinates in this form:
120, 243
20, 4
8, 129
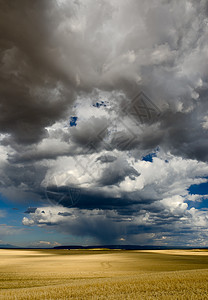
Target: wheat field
103, 274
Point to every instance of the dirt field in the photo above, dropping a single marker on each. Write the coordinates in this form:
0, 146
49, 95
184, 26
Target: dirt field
103, 274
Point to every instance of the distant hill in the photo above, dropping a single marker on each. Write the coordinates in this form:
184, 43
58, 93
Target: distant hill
122, 247
8, 246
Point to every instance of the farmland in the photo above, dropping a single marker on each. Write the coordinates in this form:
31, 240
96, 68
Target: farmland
103, 274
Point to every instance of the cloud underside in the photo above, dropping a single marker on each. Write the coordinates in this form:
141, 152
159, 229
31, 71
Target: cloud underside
154, 204
145, 226
133, 78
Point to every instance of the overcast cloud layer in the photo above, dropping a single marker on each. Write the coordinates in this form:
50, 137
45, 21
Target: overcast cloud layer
87, 90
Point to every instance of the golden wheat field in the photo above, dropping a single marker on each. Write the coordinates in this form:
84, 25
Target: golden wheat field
103, 274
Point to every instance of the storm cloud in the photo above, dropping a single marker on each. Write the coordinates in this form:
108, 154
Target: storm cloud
134, 78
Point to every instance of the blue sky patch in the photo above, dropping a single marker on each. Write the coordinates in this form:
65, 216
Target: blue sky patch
200, 189
73, 121
149, 157
99, 104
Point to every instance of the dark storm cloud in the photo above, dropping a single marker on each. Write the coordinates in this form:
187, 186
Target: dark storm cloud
30, 210
28, 176
187, 137
116, 172
51, 51
90, 134
90, 201
33, 87
106, 158
64, 214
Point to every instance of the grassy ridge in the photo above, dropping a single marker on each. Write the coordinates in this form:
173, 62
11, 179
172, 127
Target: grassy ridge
88, 274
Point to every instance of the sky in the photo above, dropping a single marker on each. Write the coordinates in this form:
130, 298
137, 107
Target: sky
104, 122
